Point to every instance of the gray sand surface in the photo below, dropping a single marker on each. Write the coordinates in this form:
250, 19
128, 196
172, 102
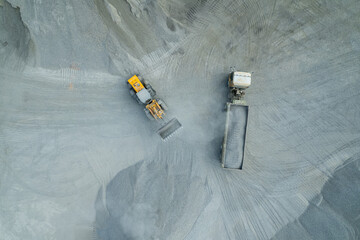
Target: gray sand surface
80, 160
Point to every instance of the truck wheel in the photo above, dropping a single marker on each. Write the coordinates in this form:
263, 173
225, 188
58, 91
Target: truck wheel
148, 114
162, 105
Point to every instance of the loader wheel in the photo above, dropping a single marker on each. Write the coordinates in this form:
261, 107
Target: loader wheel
152, 92
162, 104
150, 89
147, 86
148, 114
132, 93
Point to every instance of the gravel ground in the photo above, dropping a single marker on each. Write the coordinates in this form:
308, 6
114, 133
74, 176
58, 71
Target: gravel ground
80, 160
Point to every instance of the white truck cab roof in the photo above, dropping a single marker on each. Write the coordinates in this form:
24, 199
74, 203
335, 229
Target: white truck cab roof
240, 79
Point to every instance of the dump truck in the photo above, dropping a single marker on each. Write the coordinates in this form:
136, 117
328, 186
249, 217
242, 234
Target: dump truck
233, 146
154, 107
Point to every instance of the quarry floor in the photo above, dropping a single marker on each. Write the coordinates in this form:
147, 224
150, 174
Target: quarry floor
80, 160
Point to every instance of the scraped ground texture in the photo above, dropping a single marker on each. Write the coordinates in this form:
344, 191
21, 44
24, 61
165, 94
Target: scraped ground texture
80, 160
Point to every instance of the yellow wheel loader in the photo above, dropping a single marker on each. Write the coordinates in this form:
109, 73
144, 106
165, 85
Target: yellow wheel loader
154, 108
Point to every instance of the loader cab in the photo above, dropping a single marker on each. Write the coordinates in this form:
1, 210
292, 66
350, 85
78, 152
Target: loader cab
144, 96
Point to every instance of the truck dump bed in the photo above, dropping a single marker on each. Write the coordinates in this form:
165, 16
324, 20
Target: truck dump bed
233, 147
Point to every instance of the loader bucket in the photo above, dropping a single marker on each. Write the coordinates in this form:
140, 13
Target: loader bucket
169, 128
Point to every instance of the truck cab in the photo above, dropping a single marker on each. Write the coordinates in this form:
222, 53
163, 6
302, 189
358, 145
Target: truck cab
237, 83
233, 147
239, 80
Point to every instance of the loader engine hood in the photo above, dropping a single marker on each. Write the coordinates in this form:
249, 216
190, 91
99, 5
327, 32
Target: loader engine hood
144, 95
